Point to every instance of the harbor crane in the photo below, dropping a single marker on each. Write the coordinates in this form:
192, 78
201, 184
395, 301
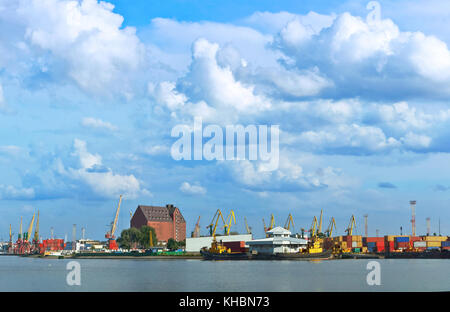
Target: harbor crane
319, 229
351, 226
289, 221
313, 230
227, 225
329, 230
213, 225
272, 222
112, 244
36, 234
271, 226
196, 232
249, 229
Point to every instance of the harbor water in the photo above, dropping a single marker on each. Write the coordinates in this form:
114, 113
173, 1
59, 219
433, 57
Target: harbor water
36, 274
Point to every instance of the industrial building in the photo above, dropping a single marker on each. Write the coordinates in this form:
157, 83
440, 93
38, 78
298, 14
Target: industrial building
194, 244
279, 241
167, 221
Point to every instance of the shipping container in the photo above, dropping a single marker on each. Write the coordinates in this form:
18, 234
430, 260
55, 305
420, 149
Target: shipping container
401, 239
433, 244
435, 238
445, 244
420, 244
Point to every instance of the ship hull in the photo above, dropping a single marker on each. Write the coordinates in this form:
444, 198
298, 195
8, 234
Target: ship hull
224, 256
294, 256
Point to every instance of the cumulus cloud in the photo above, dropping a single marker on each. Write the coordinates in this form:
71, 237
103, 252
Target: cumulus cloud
103, 181
10, 192
187, 188
289, 177
87, 38
91, 122
80, 174
369, 59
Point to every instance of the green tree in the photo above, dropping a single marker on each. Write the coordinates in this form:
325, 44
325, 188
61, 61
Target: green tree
145, 236
129, 237
172, 244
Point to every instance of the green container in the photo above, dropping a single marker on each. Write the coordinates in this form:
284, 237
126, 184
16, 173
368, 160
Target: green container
356, 249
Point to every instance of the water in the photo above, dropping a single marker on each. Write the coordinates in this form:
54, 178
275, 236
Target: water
34, 274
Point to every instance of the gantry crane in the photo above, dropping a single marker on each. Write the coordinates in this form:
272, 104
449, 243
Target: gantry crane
289, 221
249, 229
319, 229
36, 235
10, 247
313, 229
330, 228
230, 219
213, 225
351, 225
112, 244
196, 232
272, 222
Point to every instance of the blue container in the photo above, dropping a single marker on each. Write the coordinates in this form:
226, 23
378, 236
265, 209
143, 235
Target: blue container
371, 249
432, 248
402, 239
371, 244
445, 244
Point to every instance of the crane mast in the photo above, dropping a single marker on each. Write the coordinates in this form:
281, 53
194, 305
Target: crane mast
289, 221
227, 226
351, 226
196, 232
249, 231
112, 245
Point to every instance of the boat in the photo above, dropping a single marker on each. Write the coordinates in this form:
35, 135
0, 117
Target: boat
355, 255
219, 252
304, 255
208, 255
428, 254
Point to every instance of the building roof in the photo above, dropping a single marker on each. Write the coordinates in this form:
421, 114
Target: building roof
160, 214
279, 230
278, 241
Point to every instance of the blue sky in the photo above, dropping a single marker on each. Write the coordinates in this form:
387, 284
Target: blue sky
90, 91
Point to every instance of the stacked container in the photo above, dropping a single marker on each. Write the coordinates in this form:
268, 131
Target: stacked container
401, 242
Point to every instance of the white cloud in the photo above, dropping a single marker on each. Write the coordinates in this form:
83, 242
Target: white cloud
192, 189
88, 37
369, 58
10, 192
100, 179
416, 141
12, 150
91, 122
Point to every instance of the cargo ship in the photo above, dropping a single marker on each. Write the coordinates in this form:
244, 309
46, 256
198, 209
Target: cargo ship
428, 254
327, 254
218, 251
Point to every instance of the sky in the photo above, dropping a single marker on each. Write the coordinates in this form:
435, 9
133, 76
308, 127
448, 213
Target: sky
90, 92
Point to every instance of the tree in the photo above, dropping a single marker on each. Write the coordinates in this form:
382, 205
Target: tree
129, 238
172, 244
145, 236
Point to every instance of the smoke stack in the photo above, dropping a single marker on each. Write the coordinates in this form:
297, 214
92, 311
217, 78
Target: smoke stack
413, 218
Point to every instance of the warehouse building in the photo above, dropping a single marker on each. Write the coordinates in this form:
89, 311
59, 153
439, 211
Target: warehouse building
279, 241
167, 221
194, 244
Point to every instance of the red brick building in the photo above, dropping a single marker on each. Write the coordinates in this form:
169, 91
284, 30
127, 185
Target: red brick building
167, 221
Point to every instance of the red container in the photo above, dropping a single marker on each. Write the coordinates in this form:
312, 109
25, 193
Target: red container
234, 246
